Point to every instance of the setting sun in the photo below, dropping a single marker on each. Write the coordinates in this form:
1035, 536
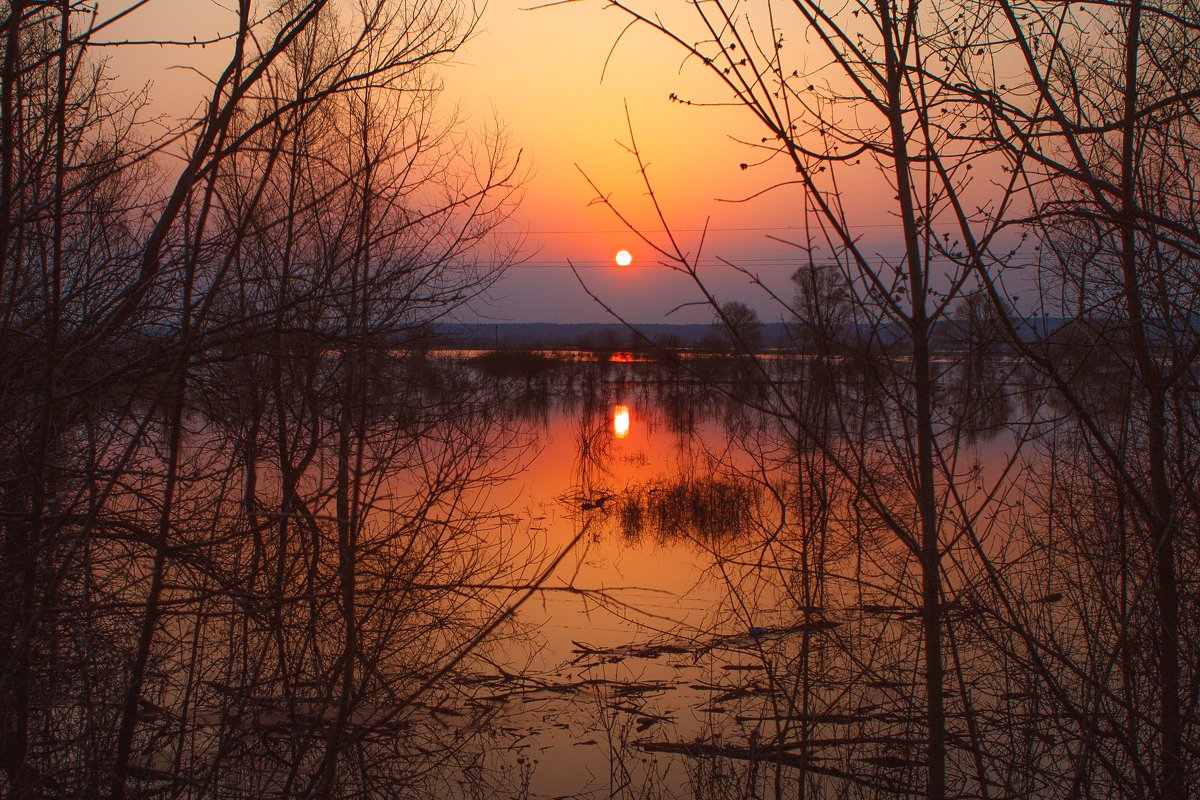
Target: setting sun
624, 258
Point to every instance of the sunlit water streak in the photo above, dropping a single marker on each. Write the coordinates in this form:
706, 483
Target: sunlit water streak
634, 632
673, 616
621, 421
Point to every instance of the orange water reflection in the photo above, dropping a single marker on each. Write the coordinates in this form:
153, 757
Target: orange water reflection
626, 593
621, 421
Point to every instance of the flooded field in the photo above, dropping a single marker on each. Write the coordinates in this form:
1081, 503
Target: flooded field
518, 576
632, 639
688, 645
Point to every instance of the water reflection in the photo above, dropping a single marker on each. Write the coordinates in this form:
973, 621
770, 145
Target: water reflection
596, 676
735, 611
621, 421
726, 595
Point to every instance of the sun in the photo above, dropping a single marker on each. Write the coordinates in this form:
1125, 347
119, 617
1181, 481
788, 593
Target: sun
624, 258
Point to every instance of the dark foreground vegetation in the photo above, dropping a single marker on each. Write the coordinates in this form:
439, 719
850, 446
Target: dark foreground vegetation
237, 528
247, 548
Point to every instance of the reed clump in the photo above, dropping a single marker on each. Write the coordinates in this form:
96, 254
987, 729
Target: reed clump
706, 509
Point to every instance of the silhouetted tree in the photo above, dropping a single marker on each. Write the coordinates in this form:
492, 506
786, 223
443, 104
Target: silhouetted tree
1083, 117
737, 328
239, 510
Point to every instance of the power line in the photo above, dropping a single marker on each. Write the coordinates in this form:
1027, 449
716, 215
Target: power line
646, 231
609, 264
732, 261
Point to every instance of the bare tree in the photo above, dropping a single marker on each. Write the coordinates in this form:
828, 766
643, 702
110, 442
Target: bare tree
238, 491
1107, 140
893, 94
1083, 117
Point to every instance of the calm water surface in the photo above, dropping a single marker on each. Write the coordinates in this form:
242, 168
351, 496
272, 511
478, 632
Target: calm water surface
682, 611
637, 638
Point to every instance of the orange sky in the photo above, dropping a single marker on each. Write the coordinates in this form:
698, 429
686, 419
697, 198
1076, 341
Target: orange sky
539, 73
540, 70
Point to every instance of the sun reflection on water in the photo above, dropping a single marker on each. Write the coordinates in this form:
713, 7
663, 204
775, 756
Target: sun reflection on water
621, 421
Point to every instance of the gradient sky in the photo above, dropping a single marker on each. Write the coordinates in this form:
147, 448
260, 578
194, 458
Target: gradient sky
539, 73
544, 73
